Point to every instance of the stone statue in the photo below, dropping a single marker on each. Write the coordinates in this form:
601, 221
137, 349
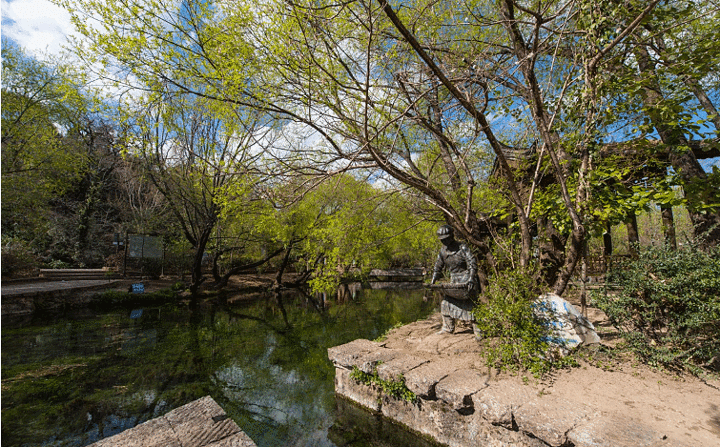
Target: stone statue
458, 302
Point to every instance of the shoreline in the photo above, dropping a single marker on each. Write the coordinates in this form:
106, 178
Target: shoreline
461, 402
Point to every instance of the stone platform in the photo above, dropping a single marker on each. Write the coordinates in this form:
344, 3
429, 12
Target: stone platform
24, 298
201, 423
460, 402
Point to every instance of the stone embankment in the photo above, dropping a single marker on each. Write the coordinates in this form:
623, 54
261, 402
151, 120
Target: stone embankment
25, 298
78, 274
459, 402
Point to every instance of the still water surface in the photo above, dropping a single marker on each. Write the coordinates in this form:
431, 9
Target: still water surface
71, 380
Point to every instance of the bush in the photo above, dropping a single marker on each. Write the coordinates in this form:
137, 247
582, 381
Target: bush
516, 338
18, 259
667, 306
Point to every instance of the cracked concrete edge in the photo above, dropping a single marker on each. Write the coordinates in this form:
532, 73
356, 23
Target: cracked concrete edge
555, 421
433, 418
558, 421
399, 366
347, 355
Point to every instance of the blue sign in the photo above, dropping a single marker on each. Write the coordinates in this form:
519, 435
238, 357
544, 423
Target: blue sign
136, 313
138, 288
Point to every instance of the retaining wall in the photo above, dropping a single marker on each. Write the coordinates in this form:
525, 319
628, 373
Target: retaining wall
459, 405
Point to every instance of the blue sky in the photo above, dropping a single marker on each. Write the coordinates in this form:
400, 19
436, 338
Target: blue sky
40, 27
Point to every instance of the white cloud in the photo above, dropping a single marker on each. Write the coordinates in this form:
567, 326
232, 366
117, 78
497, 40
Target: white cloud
38, 26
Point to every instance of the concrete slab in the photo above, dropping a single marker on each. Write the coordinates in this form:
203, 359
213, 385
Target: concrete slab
368, 362
346, 355
422, 380
499, 401
201, 423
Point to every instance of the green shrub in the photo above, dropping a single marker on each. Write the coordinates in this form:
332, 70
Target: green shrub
667, 306
394, 388
515, 337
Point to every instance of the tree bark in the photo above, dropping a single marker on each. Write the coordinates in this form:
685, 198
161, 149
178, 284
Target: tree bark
197, 277
552, 249
607, 246
633, 236
682, 160
668, 226
284, 264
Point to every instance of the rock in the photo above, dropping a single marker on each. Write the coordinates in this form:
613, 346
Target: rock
422, 380
201, 423
570, 327
499, 401
396, 368
458, 387
367, 396
346, 355
369, 361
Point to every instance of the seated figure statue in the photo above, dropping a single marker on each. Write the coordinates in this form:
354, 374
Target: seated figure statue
460, 262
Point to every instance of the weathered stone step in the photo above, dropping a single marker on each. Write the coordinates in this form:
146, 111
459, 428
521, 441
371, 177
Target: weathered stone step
201, 423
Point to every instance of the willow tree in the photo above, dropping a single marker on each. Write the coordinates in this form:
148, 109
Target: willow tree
196, 158
419, 94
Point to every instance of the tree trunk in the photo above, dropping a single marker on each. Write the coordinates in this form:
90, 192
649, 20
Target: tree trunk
234, 271
487, 256
633, 236
577, 237
681, 158
480, 118
215, 267
607, 246
668, 226
283, 265
534, 96
552, 249
197, 277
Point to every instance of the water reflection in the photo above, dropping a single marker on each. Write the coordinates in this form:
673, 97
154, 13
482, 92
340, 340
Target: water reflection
71, 380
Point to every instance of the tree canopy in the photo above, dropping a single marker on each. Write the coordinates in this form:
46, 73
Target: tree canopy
541, 121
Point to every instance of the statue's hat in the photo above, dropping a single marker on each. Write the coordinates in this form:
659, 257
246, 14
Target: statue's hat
445, 232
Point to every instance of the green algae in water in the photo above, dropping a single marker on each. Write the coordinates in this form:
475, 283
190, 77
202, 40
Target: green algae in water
71, 382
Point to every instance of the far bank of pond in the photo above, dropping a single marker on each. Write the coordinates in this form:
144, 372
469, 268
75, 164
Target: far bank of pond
75, 378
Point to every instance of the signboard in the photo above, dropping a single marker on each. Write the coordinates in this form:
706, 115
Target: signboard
137, 288
142, 246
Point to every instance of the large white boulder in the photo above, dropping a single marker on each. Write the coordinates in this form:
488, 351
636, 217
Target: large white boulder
569, 327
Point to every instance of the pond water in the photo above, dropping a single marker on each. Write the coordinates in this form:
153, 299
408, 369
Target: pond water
73, 379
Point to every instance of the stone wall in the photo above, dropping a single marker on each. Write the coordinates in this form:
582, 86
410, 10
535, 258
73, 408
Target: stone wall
458, 405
